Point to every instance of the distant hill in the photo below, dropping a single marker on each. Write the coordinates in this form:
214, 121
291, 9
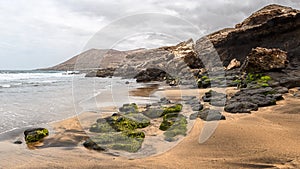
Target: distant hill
93, 59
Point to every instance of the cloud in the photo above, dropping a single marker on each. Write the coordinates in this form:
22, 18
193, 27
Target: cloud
42, 33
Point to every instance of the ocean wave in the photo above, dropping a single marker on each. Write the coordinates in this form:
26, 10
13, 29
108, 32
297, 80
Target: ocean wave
5, 86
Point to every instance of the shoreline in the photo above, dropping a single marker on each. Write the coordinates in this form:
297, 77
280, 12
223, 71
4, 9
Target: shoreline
275, 145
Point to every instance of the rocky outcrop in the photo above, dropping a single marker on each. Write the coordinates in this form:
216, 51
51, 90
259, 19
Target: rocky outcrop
273, 26
151, 74
211, 115
186, 51
262, 59
107, 72
248, 100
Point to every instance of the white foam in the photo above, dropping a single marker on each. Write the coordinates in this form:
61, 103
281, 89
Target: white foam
5, 85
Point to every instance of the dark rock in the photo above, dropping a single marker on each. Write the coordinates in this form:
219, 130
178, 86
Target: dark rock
215, 98
241, 107
151, 74
276, 97
107, 72
281, 90
129, 108
250, 92
153, 112
90, 144
164, 101
18, 142
35, 134
193, 102
194, 116
272, 26
262, 100
210, 115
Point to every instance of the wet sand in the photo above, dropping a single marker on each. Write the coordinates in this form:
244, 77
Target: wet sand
268, 138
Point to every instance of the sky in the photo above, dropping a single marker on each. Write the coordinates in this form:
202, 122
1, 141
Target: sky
36, 34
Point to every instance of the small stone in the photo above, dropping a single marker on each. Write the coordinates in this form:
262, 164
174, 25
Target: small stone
18, 142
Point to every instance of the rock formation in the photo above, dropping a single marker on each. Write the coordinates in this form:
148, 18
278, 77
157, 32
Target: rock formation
262, 59
273, 26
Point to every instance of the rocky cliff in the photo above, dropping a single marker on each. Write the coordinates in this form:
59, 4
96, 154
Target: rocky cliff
273, 26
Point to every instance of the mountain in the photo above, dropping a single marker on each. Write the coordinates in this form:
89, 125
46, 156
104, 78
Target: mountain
93, 59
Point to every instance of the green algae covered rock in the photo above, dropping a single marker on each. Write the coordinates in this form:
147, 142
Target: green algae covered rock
126, 141
118, 132
130, 121
35, 134
178, 127
129, 108
172, 109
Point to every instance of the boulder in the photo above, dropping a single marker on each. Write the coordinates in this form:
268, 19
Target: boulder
263, 59
90, 144
211, 115
215, 98
129, 108
241, 107
35, 134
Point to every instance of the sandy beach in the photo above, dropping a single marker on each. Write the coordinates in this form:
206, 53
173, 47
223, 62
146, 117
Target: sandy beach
268, 138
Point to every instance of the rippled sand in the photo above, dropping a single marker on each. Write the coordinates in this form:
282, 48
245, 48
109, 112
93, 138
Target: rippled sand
268, 138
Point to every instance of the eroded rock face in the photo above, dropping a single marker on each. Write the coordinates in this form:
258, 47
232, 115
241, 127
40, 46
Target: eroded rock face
267, 13
233, 64
186, 51
263, 59
273, 26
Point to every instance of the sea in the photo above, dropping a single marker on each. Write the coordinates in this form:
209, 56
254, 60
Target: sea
32, 98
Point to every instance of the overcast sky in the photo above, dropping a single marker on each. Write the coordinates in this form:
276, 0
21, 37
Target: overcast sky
37, 33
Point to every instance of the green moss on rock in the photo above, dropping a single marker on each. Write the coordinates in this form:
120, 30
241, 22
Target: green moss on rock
119, 132
35, 135
130, 142
130, 121
172, 109
129, 108
179, 127
101, 127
